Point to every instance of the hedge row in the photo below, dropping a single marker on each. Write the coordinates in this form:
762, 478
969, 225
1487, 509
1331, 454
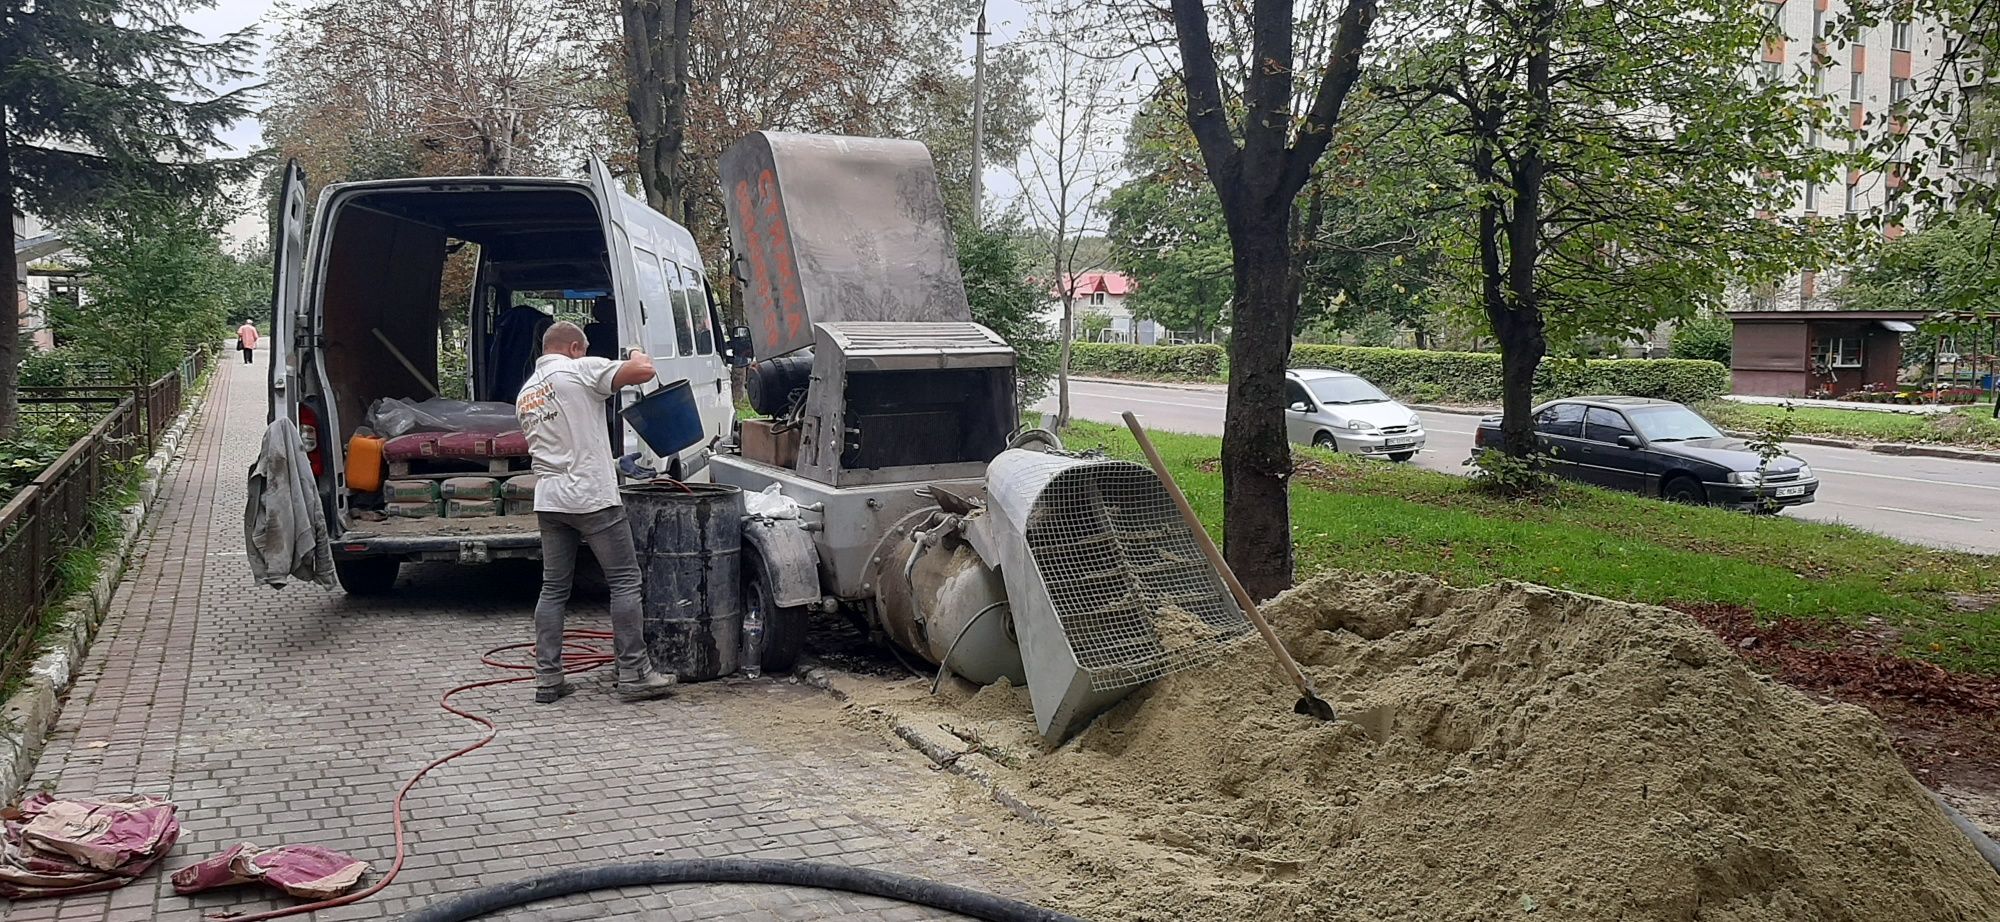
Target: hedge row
1412, 374
1129, 360
1474, 377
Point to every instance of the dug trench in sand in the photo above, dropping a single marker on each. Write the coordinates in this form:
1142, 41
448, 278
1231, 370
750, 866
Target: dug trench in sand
1510, 752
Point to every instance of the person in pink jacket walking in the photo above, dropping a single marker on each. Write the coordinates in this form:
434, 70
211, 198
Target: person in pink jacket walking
246, 339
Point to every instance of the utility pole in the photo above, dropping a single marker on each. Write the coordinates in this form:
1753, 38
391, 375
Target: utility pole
978, 114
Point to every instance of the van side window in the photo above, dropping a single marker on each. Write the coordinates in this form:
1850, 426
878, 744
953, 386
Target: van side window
683, 330
700, 298
652, 294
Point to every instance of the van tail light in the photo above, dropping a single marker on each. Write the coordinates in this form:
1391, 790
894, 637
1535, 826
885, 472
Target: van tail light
309, 435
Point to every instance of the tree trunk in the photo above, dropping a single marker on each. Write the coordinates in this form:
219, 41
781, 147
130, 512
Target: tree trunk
656, 54
1066, 334
10, 289
1256, 457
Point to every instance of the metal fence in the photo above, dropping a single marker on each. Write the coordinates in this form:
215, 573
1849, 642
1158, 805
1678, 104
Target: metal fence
51, 515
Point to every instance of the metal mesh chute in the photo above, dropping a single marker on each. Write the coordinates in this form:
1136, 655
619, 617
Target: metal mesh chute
1106, 582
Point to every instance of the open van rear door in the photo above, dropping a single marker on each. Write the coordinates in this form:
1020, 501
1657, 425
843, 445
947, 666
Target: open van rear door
288, 252
626, 292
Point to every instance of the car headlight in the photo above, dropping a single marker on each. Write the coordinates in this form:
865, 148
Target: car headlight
1805, 472
1415, 423
1359, 425
1746, 478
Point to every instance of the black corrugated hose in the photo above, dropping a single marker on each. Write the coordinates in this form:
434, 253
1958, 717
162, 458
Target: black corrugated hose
885, 884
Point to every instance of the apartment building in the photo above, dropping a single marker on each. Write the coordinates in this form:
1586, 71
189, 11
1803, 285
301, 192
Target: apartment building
1869, 80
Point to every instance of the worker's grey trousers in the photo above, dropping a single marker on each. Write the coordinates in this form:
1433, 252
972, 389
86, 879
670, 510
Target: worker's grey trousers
610, 542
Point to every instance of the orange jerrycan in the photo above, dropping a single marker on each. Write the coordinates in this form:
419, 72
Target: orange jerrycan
364, 463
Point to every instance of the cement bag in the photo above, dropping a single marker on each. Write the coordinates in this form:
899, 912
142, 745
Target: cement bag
106, 834
471, 508
410, 491
510, 444
57, 847
519, 487
429, 510
305, 871
465, 445
470, 488
413, 447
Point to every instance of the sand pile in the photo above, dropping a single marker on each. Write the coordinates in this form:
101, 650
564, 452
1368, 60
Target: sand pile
1507, 753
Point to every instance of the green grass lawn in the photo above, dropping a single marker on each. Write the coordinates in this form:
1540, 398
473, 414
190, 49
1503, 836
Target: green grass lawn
1372, 515
1971, 427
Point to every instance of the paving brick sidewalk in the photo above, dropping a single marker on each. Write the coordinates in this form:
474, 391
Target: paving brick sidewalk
293, 716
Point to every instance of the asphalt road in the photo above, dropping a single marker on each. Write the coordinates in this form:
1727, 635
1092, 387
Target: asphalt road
1932, 501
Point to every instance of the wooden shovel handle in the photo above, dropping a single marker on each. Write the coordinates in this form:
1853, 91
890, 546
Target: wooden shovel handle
1208, 547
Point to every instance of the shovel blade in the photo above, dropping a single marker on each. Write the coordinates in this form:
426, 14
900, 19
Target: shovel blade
1316, 707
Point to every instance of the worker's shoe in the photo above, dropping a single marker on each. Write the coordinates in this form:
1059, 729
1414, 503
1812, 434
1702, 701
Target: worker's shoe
550, 694
654, 685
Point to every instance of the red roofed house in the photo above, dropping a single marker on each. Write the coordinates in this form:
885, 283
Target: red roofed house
1104, 293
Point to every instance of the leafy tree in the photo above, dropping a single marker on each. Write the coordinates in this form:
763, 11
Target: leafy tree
1288, 71
96, 95
1166, 227
1614, 161
157, 279
1951, 268
997, 264
1711, 338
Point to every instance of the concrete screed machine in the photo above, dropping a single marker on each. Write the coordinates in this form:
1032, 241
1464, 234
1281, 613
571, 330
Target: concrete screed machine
890, 424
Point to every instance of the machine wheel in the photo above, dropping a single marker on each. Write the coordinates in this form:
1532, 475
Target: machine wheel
1402, 456
1684, 489
784, 626
367, 575
1325, 440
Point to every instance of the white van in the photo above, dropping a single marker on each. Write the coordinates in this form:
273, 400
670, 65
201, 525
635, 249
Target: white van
356, 319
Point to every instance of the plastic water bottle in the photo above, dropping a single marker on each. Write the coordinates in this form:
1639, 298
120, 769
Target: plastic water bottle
753, 644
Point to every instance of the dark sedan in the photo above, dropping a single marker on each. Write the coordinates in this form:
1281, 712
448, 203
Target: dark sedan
1660, 448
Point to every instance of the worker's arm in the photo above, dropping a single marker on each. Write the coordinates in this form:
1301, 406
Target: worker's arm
636, 369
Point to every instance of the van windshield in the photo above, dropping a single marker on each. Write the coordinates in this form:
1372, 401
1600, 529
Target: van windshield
1345, 391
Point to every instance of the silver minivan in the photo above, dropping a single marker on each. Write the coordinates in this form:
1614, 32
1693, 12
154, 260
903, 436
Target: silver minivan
1342, 412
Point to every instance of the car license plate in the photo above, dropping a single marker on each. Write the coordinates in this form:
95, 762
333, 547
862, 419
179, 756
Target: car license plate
1397, 443
1791, 491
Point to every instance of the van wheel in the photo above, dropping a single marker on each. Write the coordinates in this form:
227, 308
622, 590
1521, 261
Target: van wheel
1684, 489
1325, 440
367, 575
784, 627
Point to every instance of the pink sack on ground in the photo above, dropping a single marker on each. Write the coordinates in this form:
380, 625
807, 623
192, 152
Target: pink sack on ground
56, 847
308, 871
226, 869
105, 835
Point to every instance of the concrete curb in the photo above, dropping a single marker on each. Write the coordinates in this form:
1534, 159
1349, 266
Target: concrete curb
1904, 449
29, 715
939, 750
1148, 382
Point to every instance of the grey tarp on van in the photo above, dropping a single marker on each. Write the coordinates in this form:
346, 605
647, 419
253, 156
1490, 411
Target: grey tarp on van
284, 526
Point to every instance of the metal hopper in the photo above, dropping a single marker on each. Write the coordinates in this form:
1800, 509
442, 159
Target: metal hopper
1107, 586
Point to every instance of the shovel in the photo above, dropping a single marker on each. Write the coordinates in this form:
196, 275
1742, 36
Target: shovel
1311, 705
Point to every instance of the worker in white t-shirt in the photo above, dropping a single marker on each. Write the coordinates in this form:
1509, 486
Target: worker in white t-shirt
561, 408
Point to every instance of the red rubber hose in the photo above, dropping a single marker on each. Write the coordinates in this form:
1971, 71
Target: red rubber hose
578, 656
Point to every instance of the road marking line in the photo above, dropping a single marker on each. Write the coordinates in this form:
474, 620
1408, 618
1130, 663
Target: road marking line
1935, 515
1941, 483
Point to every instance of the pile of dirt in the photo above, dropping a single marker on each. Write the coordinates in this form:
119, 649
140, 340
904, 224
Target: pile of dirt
1505, 752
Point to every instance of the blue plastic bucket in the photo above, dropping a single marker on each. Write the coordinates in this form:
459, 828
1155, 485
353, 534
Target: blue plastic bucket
667, 419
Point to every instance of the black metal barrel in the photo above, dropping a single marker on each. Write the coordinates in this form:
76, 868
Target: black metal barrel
690, 540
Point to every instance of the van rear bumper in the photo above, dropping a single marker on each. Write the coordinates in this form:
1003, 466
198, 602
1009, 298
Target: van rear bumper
447, 548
